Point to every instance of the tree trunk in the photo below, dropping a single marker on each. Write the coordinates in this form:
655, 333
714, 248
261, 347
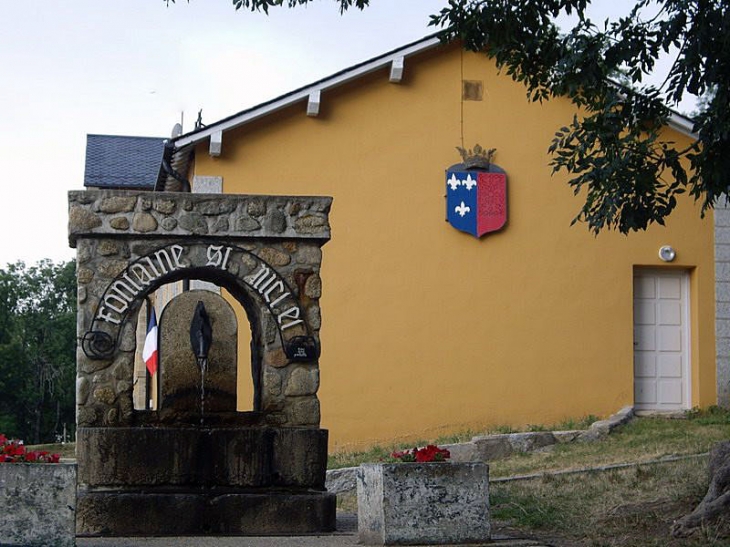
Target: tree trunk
717, 500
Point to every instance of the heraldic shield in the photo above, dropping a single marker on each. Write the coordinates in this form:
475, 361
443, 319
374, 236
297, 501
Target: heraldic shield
476, 199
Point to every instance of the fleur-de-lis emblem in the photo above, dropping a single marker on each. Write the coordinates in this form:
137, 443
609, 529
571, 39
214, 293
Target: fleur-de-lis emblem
462, 209
469, 183
453, 182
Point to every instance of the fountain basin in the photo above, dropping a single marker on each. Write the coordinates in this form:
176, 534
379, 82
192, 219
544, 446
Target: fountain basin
215, 480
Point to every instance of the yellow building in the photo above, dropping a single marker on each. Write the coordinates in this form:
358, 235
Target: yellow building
428, 330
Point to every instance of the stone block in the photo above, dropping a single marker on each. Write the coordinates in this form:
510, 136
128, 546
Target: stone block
246, 457
312, 224
299, 457
82, 220
341, 480
722, 252
303, 411
493, 447
302, 381
274, 257
117, 204
38, 504
139, 514
272, 514
135, 514
531, 441
568, 436
423, 503
172, 456
463, 452
144, 222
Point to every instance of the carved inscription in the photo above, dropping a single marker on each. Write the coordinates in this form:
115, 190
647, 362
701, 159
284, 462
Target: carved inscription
136, 279
268, 284
135, 282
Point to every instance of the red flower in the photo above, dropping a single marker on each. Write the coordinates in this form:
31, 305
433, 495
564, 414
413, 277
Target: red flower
13, 451
430, 453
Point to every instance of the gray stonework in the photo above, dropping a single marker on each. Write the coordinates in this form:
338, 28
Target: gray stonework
722, 301
88, 214
423, 503
38, 504
195, 461
105, 254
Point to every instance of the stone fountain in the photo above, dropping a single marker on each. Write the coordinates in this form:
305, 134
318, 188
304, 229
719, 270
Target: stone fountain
195, 465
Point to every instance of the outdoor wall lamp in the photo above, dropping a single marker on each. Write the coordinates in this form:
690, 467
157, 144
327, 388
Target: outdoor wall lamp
667, 253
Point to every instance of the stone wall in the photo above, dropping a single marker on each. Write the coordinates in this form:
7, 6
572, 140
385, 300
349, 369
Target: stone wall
722, 301
265, 250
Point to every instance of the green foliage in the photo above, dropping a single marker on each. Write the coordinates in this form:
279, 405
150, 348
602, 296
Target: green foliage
629, 177
264, 5
37, 349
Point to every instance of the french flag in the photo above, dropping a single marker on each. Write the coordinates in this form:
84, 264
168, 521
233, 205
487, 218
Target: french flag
149, 353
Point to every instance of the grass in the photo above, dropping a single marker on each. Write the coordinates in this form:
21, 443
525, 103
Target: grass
378, 453
642, 440
67, 450
634, 506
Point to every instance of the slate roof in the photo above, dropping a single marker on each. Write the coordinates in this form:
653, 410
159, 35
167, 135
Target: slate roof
123, 162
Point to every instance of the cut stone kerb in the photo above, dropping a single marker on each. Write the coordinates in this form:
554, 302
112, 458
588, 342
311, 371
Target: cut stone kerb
265, 250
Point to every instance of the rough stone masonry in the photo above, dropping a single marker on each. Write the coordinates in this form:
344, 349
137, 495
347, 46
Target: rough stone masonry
129, 243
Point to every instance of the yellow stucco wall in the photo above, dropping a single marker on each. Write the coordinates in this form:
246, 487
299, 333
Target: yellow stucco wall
426, 329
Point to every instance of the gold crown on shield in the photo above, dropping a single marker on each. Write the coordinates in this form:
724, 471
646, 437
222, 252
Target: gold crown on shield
478, 158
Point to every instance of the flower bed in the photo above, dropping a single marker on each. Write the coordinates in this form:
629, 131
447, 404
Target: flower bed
429, 501
430, 453
13, 451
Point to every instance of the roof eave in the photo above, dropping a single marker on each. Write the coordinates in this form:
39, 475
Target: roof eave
676, 121
330, 82
682, 124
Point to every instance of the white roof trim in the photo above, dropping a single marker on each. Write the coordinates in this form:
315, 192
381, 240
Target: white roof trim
304, 93
676, 121
396, 70
682, 124
313, 101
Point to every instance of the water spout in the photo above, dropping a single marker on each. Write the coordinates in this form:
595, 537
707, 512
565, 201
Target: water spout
201, 337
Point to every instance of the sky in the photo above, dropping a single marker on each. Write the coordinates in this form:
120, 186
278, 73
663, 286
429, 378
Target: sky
137, 67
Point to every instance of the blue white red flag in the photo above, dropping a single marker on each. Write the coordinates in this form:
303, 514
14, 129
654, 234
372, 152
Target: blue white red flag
476, 201
149, 352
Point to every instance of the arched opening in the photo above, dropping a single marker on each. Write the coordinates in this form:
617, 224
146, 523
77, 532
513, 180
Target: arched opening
146, 386
248, 465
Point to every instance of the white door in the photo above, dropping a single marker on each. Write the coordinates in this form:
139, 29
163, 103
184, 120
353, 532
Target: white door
661, 340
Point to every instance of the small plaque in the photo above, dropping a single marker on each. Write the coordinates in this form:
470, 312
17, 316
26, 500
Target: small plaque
302, 348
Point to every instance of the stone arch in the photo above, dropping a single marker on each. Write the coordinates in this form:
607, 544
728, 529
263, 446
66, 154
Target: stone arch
264, 250
186, 393
231, 474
